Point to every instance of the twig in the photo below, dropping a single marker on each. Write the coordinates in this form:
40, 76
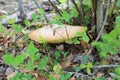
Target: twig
113, 7
39, 6
74, 74
81, 8
56, 9
102, 26
68, 4
79, 11
58, 1
73, 1
106, 66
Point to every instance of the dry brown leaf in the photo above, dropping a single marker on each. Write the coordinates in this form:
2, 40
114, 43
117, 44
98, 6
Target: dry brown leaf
69, 57
68, 64
41, 77
84, 44
72, 78
56, 76
99, 74
20, 42
60, 47
55, 35
11, 75
67, 61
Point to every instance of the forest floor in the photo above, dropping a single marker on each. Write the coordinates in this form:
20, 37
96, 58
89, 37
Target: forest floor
76, 54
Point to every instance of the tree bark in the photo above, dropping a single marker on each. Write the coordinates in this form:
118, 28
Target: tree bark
99, 15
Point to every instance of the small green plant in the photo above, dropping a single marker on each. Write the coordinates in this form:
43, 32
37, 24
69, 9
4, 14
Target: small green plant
65, 76
63, 1
32, 55
58, 56
17, 28
34, 17
27, 22
117, 71
65, 17
109, 43
88, 66
85, 64
22, 76
101, 78
2, 29
78, 37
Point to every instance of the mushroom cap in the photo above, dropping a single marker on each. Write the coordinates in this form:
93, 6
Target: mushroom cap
55, 35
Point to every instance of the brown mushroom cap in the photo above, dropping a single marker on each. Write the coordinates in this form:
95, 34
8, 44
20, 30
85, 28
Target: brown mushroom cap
55, 35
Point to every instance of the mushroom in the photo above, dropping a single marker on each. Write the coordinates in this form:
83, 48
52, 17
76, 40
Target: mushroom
55, 33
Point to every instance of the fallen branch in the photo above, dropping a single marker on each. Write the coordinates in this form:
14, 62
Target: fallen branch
106, 66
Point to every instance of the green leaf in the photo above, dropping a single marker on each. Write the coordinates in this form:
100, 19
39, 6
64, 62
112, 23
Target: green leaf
14, 61
30, 66
103, 55
83, 35
101, 78
8, 59
51, 77
31, 49
117, 21
19, 59
85, 38
64, 53
57, 69
17, 28
62, 77
12, 21
57, 55
66, 16
41, 12
2, 29
89, 65
43, 62
63, 1
77, 69
118, 3
67, 76
83, 66
85, 58
34, 17
75, 41
117, 71
88, 70
87, 2
27, 23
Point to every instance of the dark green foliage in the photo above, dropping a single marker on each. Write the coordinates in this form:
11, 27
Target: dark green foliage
110, 43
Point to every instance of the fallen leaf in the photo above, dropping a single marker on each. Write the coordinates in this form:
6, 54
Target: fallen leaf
72, 78
20, 42
60, 47
67, 61
56, 76
84, 44
99, 74
11, 75
55, 34
40, 77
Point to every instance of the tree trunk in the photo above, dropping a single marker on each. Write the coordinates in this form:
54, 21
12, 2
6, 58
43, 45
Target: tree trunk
99, 15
